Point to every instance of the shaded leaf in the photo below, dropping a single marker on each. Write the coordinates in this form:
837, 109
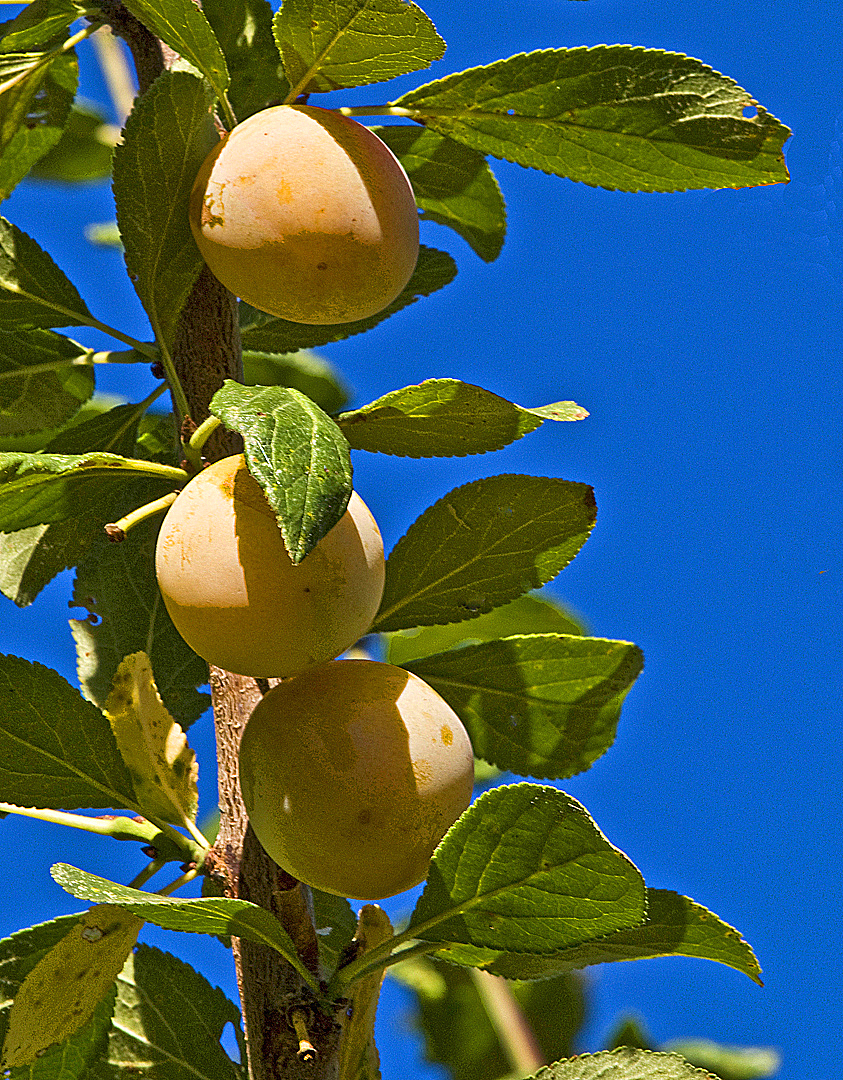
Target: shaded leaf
440, 418
263, 333
168, 1021
33, 112
163, 767
37, 489
181, 24
111, 432
33, 291
456, 1028
60, 994
31, 556
614, 116
543, 705
39, 24
166, 139
207, 915
453, 185
56, 749
244, 31
303, 371
674, 926
727, 1062
44, 380
84, 151
625, 1063
526, 615
482, 545
330, 44
335, 924
296, 453
117, 584
526, 869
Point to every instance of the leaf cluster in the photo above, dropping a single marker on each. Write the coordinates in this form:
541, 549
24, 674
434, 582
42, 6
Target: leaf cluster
524, 885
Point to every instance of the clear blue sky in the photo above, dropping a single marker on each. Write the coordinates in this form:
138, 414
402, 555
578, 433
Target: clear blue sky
703, 333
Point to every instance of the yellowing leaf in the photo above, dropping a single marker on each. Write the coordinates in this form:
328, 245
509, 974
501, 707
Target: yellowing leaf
152, 744
59, 995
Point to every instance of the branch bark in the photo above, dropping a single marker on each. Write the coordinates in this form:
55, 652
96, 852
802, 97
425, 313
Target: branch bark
206, 352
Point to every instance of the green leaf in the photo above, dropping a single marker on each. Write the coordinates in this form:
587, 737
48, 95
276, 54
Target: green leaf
219, 916
263, 333
166, 139
111, 432
117, 583
625, 1063
33, 113
303, 371
296, 453
244, 31
526, 615
614, 116
33, 291
84, 151
453, 185
44, 380
455, 1024
181, 24
61, 993
41, 23
526, 869
482, 545
56, 750
330, 44
543, 705
32, 555
441, 418
168, 1021
336, 925
37, 489
727, 1062
162, 765
19, 954
674, 926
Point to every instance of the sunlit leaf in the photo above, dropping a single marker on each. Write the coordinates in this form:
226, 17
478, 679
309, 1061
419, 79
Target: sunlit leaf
329, 44
614, 116
60, 994
482, 545
163, 767
298, 455
526, 869
442, 418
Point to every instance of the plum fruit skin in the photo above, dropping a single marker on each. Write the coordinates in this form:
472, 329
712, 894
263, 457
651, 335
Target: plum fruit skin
238, 599
352, 773
307, 215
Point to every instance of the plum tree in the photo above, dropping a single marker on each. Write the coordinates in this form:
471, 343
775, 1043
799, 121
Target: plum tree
307, 215
236, 596
352, 773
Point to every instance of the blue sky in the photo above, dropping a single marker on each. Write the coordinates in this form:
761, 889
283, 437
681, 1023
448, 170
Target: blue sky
703, 332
